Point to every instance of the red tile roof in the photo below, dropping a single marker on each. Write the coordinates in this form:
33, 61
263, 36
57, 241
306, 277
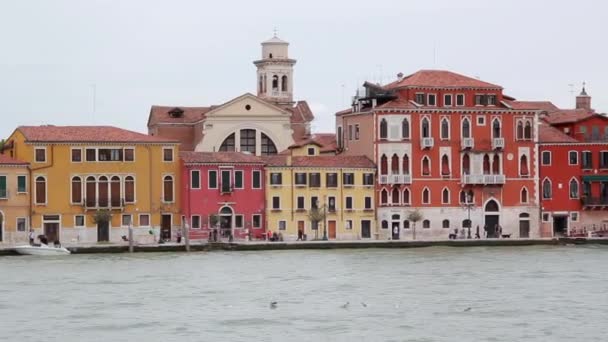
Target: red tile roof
550, 134
440, 79
534, 105
301, 112
189, 115
398, 104
220, 158
95, 134
564, 116
339, 161
7, 160
326, 142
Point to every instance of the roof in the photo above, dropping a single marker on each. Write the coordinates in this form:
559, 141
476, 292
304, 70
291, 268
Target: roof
397, 104
563, 116
535, 105
339, 161
189, 115
326, 142
550, 134
7, 160
220, 158
96, 134
275, 40
440, 79
301, 112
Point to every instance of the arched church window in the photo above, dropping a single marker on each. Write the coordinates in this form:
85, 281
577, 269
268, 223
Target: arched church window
248, 140
228, 144
275, 82
284, 83
268, 146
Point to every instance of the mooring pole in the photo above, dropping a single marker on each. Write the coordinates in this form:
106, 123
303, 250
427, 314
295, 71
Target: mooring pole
185, 233
130, 237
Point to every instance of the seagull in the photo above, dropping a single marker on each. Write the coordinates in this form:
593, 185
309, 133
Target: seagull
468, 309
345, 306
363, 304
273, 305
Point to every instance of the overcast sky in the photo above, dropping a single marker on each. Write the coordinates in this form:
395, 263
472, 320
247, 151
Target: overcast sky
197, 53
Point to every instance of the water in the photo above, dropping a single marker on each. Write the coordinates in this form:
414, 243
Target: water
515, 294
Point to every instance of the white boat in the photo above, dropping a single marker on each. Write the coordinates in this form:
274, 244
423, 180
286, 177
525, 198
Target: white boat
41, 250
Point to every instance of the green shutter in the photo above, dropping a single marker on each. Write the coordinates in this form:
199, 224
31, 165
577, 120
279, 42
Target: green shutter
21, 186
595, 178
3, 193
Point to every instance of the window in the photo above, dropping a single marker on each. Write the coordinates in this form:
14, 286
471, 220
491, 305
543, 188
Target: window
300, 203
76, 190
587, 160
524, 196
115, 199
572, 158
574, 217
268, 146
91, 192
395, 196
314, 202
496, 129
368, 179
520, 130
426, 166
479, 100
447, 100
248, 141
21, 184
426, 128
547, 189
395, 164
357, 132
546, 157
546, 217
466, 128
167, 154
225, 178
349, 203
144, 220
350, 132
368, 203
466, 164
426, 196
76, 155
331, 204
426, 224
331, 180
604, 160
311, 151
445, 166
496, 165
420, 99
340, 142
195, 179
129, 189
276, 178
528, 130
238, 179
109, 154
79, 221
383, 196
282, 225
40, 154
573, 189
103, 192
445, 224
445, 129
406, 224
383, 165
348, 179
228, 144
301, 179
481, 120
212, 181
195, 222
405, 129
129, 154
348, 225
257, 179
432, 100
257, 221
126, 220
383, 129
445, 196
586, 189
406, 196
238, 221
460, 100
406, 164
315, 180
486, 164
491, 100
384, 224
91, 154
40, 190
167, 189
21, 224
523, 165
276, 203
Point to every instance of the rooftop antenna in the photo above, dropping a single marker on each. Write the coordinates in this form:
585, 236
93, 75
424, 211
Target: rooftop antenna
275, 31
94, 90
571, 85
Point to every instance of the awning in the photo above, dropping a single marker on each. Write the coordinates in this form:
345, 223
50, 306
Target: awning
595, 178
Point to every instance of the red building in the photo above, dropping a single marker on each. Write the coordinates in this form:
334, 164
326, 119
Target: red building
455, 147
573, 170
223, 190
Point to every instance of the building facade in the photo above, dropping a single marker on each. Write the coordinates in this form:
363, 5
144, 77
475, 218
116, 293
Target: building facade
223, 190
14, 200
80, 174
452, 146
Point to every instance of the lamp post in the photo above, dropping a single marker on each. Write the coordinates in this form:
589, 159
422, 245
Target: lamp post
469, 205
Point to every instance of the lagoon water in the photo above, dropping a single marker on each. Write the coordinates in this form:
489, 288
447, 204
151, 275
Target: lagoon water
514, 294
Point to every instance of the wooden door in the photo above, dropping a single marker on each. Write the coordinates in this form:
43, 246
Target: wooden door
165, 227
524, 229
332, 229
366, 229
51, 230
103, 231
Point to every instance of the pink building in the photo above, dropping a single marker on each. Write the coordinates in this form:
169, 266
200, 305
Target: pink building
223, 190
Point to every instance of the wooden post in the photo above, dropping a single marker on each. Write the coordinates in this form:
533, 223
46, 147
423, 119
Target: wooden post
130, 237
185, 233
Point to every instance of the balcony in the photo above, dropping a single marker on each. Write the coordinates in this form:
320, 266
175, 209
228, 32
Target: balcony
109, 204
498, 143
427, 143
483, 179
590, 203
467, 143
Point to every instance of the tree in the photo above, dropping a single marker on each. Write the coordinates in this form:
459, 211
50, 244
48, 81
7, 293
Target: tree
2, 143
102, 216
414, 216
214, 219
316, 215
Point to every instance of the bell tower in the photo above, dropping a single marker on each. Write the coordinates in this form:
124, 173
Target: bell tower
275, 72
583, 101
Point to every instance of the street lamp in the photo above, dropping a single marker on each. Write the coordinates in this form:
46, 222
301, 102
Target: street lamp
469, 205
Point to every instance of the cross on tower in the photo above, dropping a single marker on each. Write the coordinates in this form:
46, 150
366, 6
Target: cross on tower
275, 32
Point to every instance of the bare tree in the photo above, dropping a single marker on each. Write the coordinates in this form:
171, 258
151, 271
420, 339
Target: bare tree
414, 216
316, 215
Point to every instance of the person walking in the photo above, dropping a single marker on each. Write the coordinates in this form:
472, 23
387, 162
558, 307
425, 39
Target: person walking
32, 236
477, 233
179, 236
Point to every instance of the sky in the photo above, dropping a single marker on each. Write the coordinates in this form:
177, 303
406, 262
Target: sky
105, 62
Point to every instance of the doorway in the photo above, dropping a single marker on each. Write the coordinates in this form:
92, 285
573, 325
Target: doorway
366, 229
50, 227
103, 231
492, 219
395, 231
524, 225
226, 222
302, 227
560, 225
165, 227
331, 227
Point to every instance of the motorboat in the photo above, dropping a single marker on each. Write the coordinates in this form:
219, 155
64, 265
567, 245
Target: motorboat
41, 250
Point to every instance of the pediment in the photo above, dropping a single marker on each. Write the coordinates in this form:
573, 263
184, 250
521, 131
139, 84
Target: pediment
247, 105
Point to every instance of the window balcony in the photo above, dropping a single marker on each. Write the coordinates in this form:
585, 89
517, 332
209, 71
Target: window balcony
108, 204
400, 179
427, 143
467, 143
483, 179
590, 203
383, 179
498, 143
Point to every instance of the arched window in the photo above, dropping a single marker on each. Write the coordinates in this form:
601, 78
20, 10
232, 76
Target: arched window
384, 196
91, 192
445, 196
426, 196
395, 164
466, 128
496, 165
463, 197
76, 190
492, 206
129, 189
395, 196
426, 166
226, 211
496, 128
384, 224
523, 165
445, 129
228, 144
486, 164
115, 198
268, 146
467, 197
426, 128
528, 130
466, 164
406, 164
445, 224
248, 140
406, 224
547, 189
168, 189
520, 130
103, 192
445, 166
573, 188
284, 83
383, 129
406, 196
40, 190
466, 223
261, 85
384, 165
275, 83
524, 216
524, 196
405, 129
426, 224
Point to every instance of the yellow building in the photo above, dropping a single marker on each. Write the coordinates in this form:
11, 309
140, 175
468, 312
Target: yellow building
14, 200
339, 189
79, 173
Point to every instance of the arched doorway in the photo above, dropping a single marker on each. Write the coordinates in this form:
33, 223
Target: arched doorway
492, 218
226, 218
395, 228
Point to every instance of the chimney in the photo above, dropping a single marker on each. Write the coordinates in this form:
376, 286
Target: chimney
583, 101
288, 160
